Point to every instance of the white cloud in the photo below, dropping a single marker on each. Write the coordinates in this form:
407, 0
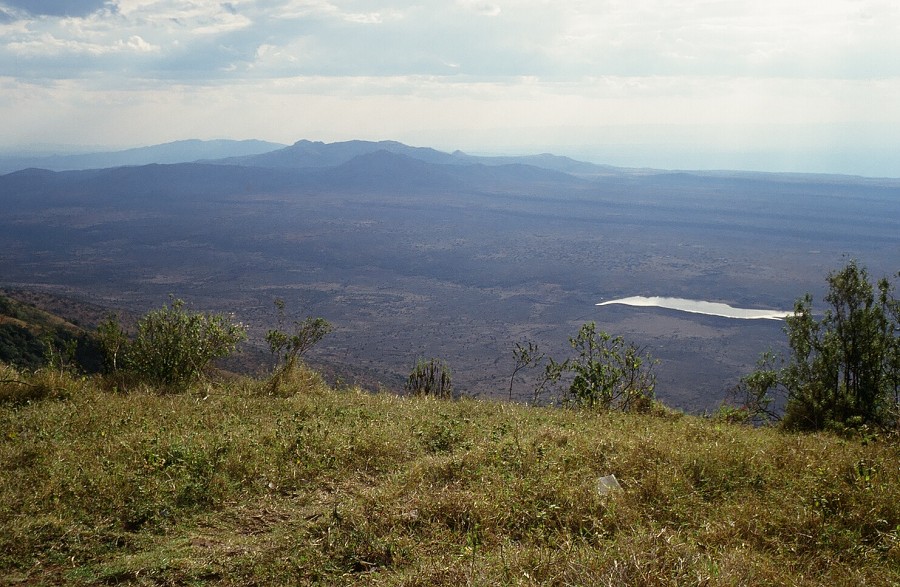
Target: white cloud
304, 9
49, 46
480, 7
136, 43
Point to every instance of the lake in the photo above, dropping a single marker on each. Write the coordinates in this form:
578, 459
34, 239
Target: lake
701, 307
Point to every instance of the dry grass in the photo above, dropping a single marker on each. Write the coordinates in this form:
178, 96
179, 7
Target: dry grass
228, 485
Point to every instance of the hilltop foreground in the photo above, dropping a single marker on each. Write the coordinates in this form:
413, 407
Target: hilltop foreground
228, 485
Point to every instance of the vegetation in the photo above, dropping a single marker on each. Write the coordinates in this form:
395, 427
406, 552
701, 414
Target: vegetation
30, 338
290, 348
526, 354
606, 372
844, 369
172, 347
312, 485
431, 378
236, 487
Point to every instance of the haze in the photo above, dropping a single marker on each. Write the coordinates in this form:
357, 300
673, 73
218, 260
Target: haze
766, 85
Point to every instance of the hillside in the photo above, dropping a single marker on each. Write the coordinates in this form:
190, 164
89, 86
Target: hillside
227, 485
26, 330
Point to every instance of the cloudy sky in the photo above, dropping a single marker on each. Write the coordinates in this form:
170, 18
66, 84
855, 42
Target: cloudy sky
805, 85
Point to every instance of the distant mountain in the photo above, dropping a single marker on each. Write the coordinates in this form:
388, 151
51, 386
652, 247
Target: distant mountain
303, 154
307, 154
387, 171
175, 152
150, 184
544, 161
378, 172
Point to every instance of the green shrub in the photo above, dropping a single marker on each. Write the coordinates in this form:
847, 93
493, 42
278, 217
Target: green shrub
431, 377
606, 372
172, 347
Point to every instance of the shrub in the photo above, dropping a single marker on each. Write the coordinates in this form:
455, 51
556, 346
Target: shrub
608, 372
430, 377
752, 402
172, 347
526, 354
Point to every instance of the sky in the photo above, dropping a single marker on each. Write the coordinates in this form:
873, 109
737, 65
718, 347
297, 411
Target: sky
771, 85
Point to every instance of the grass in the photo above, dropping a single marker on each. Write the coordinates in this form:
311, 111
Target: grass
229, 485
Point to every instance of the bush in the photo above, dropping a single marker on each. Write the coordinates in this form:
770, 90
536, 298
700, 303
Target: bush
172, 347
430, 377
607, 372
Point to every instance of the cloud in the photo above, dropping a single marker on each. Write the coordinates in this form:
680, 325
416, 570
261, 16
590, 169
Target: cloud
55, 7
480, 7
49, 46
564, 40
313, 9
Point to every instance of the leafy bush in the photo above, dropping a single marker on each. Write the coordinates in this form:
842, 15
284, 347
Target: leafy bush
172, 347
607, 372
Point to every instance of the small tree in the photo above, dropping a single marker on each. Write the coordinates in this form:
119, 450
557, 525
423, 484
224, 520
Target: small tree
526, 354
290, 348
606, 372
843, 369
113, 341
59, 352
753, 395
430, 377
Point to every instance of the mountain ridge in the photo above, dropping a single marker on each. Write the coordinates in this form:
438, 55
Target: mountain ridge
183, 151
377, 171
307, 154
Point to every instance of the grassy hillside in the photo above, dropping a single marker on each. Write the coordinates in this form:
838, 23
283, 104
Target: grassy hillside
26, 330
227, 485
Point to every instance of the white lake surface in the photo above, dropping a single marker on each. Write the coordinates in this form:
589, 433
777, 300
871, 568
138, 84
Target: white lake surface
701, 307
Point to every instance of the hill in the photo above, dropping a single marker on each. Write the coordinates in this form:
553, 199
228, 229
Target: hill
28, 332
174, 152
227, 485
310, 154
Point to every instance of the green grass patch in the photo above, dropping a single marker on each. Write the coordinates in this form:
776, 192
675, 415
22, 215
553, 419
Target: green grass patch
226, 484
